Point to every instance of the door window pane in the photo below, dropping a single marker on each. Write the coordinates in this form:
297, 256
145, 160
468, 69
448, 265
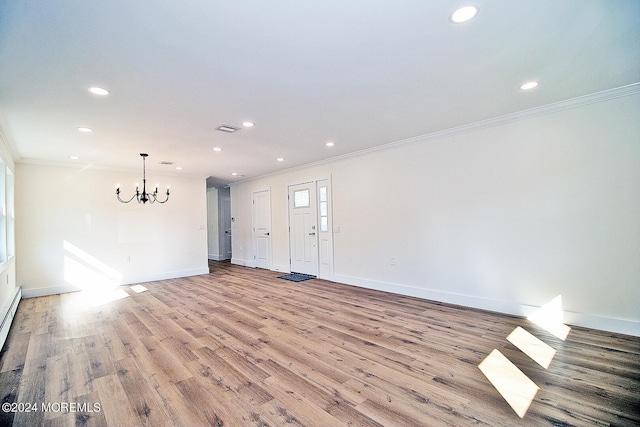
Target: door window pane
323, 194
301, 198
323, 209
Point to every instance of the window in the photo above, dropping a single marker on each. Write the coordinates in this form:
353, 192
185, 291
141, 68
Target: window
7, 214
324, 211
3, 214
301, 198
11, 215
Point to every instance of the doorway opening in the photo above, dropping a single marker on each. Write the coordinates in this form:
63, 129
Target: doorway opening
219, 223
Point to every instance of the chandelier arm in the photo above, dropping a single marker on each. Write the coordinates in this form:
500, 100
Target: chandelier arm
163, 201
124, 201
166, 198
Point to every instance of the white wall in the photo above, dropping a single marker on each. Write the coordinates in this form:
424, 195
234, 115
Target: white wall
503, 216
72, 233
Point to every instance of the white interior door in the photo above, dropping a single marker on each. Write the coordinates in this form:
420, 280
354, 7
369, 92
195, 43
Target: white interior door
303, 233
262, 228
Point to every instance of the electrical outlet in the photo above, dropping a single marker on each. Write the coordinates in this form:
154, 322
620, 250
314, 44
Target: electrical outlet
393, 261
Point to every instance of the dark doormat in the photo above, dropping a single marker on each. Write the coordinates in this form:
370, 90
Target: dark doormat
296, 277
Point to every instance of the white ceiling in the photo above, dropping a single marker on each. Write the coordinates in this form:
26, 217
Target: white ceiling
361, 73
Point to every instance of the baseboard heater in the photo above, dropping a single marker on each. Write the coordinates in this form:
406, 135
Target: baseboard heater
8, 314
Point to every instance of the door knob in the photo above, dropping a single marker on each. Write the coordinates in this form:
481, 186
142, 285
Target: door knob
266, 234
312, 234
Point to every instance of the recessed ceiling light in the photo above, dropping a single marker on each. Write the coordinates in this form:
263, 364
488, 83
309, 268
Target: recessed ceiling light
528, 85
85, 129
464, 14
74, 157
218, 149
330, 144
179, 168
280, 159
234, 173
248, 124
98, 91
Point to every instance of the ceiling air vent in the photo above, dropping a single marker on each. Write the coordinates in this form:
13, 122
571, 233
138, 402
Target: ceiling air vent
228, 128
166, 163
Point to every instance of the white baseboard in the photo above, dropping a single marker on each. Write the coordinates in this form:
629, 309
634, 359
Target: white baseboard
252, 264
7, 314
216, 257
280, 268
243, 262
621, 326
65, 288
49, 290
167, 275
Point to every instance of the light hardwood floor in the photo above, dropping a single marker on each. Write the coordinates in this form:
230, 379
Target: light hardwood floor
240, 347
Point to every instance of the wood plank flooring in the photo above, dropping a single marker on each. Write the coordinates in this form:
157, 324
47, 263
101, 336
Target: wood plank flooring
240, 347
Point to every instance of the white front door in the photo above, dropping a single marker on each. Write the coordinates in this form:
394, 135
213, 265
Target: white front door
303, 233
262, 228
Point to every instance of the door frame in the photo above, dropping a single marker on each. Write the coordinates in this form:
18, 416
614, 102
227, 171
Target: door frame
325, 263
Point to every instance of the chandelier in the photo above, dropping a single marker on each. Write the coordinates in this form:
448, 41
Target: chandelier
143, 197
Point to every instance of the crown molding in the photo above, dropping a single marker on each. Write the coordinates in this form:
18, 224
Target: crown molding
90, 166
580, 101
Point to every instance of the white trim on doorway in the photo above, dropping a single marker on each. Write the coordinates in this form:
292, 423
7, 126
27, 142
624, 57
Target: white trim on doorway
324, 247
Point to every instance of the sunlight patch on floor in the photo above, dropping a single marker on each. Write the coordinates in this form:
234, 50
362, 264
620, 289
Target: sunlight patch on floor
536, 349
100, 298
138, 288
514, 386
78, 302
